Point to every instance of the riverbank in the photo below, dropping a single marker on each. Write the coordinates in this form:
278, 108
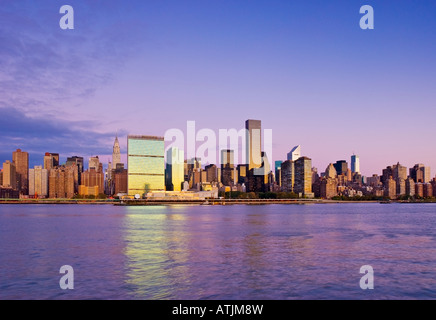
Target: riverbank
143, 202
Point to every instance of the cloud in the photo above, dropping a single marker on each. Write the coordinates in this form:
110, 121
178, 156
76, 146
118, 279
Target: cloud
38, 135
44, 69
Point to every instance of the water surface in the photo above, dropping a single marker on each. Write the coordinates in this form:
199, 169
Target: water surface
218, 252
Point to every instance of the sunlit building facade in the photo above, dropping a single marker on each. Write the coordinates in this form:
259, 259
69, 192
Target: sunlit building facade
146, 164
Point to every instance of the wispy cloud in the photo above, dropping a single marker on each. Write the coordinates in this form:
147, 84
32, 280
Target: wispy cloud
38, 135
44, 68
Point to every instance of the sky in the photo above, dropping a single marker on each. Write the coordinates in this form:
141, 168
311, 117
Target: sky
305, 68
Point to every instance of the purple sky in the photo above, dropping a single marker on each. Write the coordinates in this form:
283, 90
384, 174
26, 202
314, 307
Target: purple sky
304, 68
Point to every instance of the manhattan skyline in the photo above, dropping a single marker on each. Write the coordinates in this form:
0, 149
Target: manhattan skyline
305, 69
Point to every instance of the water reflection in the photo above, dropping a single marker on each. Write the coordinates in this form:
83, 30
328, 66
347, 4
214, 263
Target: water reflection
215, 252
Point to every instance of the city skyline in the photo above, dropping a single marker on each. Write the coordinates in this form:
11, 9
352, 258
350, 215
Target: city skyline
307, 70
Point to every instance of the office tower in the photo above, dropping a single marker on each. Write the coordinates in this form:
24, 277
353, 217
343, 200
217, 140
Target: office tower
253, 143
257, 178
175, 169
303, 176
428, 190
227, 167
21, 161
92, 182
51, 160
61, 182
119, 179
420, 173
419, 190
410, 187
77, 164
116, 153
94, 163
295, 153
38, 182
433, 183
330, 172
288, 176
278, 172
9, 175
399, 172
328, 188
211, 173
242, 171
355, 164
77, 161
391, 188
1, 178
341, 167
401, 186
146, 164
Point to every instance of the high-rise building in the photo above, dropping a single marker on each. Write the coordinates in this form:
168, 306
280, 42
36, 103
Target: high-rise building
174, 169
77, 161
146, 164
61, 182
21, 161
355, 164
119, 179
51, 160
227, 167
341, 167
77, 164
330, 172
94, 163
92, 179
295, 153
328, 188
116, 153
391, 188
399, 172
38, 182
410, 187
9, 175
211, 173
303, 176
420, 173
253, 143
242, 170
288, 176
278, 172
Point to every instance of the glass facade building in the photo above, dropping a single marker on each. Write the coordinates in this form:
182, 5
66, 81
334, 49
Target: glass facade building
146, 164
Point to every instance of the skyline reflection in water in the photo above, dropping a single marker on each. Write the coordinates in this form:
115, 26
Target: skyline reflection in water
218, 252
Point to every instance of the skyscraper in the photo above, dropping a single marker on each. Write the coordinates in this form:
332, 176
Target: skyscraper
38, 182
253, 143
21, 161
303, 176
77, 161
341, 167
227, 167
278, 172
51, 160
288, 176
94, 163
420, 173
9, 175
355, 164
116, 153
175, 169
146, 164
295, 153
